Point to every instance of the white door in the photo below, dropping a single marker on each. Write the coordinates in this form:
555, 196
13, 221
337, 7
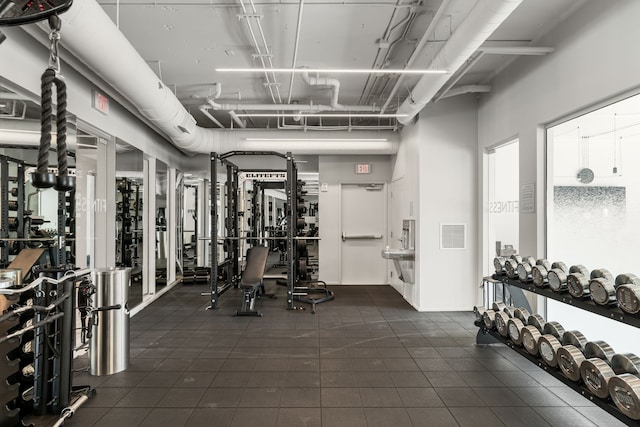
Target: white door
364, 224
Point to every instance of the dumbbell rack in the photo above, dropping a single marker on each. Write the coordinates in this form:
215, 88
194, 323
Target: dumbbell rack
16, 226
610, 312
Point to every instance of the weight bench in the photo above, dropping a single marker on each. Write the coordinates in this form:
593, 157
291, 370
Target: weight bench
252, 282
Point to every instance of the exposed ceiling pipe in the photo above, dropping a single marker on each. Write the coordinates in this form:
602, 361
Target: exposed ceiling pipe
480, 23
260, 55
237, 120
305, 108
204, 110
416, 51
516, 50
91, 36
466, 89
334, 84
295, 49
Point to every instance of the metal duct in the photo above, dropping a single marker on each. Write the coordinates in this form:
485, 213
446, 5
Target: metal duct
482, 21
89, 33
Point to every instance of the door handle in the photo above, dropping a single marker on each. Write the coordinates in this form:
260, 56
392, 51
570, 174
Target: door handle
361, 236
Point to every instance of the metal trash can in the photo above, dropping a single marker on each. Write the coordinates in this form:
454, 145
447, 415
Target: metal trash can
109, 348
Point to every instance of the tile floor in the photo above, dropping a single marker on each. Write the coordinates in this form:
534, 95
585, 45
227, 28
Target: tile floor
365, 359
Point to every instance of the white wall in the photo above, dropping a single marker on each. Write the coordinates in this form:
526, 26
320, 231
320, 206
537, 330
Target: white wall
594, 60
334, 171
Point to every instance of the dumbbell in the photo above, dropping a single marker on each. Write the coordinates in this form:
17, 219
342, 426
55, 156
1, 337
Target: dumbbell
596, 370
578, 282
498, 264
602, 287
540, 271
624, 390
511, 266
532, 333
516, 324
549, 342
557, 276
14, 223
561, 285
489, 319
524, 268
478, 312
628, 292
503, 314
571, 355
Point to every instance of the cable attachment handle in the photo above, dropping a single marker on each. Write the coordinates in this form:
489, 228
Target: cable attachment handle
42, 178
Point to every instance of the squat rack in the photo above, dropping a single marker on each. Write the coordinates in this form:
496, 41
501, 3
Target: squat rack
231, 240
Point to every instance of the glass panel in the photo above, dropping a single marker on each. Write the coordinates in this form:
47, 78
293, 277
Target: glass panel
129, 216
179, 189
593, 206
162, 205
503, 219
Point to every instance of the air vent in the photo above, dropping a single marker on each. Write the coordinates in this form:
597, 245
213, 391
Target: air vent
453, 236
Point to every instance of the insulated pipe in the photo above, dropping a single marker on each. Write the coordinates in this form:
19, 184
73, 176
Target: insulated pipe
334, 84
482, 21
93, 38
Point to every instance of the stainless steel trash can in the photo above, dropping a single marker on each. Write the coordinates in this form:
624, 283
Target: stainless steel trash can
109, 348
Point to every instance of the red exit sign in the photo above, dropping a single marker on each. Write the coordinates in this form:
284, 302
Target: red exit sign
363, 168
100, 102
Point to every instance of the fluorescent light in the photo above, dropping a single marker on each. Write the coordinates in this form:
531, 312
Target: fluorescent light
341, 115
330, 70
317, 139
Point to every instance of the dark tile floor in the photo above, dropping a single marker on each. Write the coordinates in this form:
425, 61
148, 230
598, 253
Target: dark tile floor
365, 359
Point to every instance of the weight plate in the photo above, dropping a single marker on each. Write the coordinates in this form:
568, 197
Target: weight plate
548, 345
515, 327
560, 266
624, 390
599, 349
554, 328
530, 336
602, 272
574, 338
511, 267
557, 280
489, 319
501, 320
498, 306
579, 268
578, 285
522, 314
498, 264
602, 291
537, 321
509, 310
529, 260
628, 296
569, 359
623, 279
545, 263
539, 275
596, 375
626, 363
524, 271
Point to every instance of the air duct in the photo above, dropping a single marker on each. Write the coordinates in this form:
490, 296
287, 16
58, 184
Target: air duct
480, 23
90, 35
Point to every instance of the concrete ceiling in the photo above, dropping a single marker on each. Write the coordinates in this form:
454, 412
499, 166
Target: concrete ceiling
185, 41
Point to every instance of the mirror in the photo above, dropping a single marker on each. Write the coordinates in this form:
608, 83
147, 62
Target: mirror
162, 237
20, 12
179, 189
129, 216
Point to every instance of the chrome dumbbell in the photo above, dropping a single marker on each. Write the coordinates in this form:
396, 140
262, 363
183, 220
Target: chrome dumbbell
532, 332
511, 266
540, 271
596, 370
571, 354
557, 277
524, 268
628, 292
602, 287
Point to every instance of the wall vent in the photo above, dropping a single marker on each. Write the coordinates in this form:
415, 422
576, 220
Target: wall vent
453, 236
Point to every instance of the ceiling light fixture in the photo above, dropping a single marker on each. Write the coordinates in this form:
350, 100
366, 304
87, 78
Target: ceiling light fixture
330, 70
328, 115
317, 139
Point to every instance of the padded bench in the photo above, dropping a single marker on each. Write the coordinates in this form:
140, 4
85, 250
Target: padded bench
252, 282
